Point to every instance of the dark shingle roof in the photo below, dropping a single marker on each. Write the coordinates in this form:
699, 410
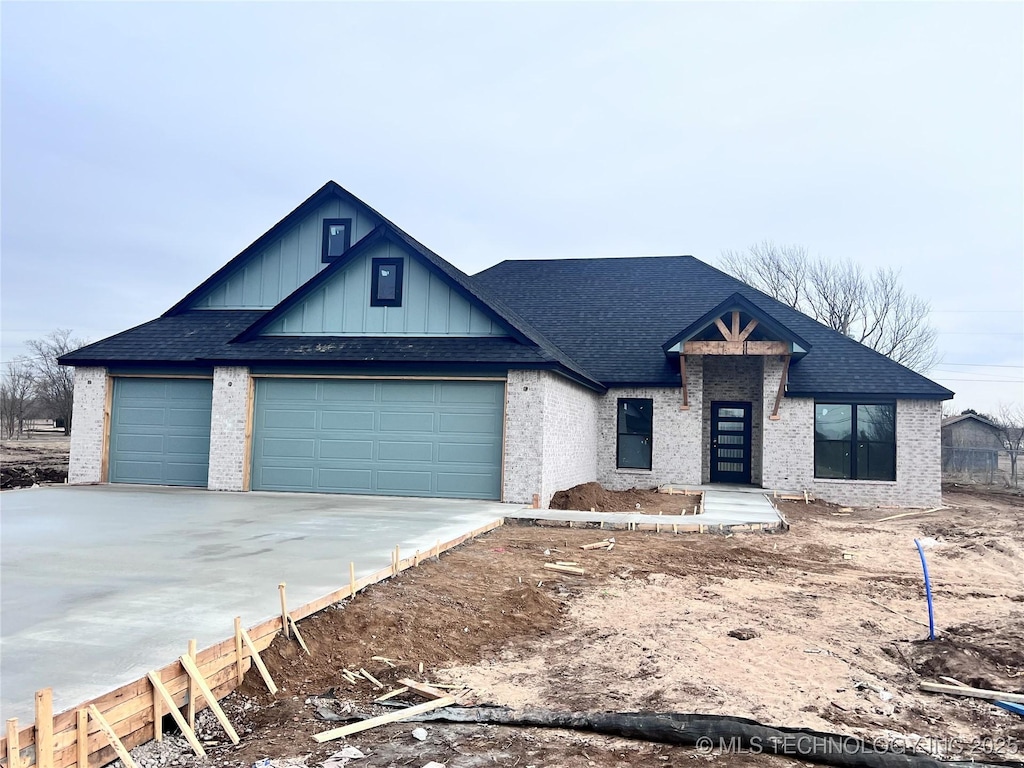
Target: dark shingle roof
612, 316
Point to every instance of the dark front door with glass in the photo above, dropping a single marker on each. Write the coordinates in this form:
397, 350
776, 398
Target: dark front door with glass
730, 442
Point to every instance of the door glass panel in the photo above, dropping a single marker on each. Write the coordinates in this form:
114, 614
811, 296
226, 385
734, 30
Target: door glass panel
730, 466
730, 439
730, 453
730, 426
730, 413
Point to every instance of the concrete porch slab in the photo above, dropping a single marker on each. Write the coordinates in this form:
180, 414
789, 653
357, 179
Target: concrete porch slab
102, 584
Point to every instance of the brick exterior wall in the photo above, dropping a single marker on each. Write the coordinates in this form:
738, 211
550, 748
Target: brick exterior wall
789, 453
676, 450
550, 436
228, 454
88, 426
739, 379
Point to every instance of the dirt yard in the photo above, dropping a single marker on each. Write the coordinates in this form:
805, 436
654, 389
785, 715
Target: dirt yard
38, 458
833, 610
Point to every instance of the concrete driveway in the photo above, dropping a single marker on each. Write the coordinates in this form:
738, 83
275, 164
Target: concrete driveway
99, 585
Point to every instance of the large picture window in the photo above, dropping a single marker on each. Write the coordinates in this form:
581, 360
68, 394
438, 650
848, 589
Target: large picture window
855, 442
635, 427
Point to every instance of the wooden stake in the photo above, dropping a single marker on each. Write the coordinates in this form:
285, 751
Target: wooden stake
437, 550
160, 691
398, 559
82, 739
377, 683
298, 636
392, 717
191, 689
258, 661
392, 694
423, 689
564, 569
44, 728
284, 610
13, 745
158, 717
239, 658
115, 742
211, 700
352, 579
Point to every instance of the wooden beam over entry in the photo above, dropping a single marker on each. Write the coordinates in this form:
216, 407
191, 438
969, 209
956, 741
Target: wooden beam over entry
736, 348
782, 389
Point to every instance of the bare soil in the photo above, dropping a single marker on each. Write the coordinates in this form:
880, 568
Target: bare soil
834, 611
593, 496
39, 458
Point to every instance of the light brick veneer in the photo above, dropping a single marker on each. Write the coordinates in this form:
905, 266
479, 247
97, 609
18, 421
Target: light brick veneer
88, 425
228, 420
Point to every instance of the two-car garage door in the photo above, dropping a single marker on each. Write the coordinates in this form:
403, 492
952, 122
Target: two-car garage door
391, 437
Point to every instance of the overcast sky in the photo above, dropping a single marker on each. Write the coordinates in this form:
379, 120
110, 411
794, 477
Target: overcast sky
145, 144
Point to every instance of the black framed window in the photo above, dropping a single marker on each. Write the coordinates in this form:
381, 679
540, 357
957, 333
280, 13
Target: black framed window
337, 239
386, 284
635, 431
855, 441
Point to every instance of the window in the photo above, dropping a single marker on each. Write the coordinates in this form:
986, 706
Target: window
855, 442
386, 285
337, 238
635, 425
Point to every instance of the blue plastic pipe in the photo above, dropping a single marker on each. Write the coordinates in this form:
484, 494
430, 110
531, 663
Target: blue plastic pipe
927, 591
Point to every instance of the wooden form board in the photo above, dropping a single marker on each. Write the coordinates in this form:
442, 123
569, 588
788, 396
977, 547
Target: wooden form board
129, 709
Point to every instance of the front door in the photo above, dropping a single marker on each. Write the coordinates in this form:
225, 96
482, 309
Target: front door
730, 443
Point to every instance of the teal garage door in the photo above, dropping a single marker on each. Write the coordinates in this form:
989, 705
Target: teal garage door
160, 431
396, 438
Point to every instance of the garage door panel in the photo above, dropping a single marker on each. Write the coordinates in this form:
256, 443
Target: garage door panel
463, 484
467, 423
468, 453
406, 422
287, 478
142, 417
348, 391
403, 482
407, 392
289, 390
138, 444
346, 449
482, 392
292, 418
347, 480
160, 431
413, 438
285, 448
348, 420
405, 451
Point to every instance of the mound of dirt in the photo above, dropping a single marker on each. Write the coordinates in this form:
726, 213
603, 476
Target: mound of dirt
594, 496
981, 657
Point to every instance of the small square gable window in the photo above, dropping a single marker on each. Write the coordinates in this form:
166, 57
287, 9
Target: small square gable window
386, 285
337, 238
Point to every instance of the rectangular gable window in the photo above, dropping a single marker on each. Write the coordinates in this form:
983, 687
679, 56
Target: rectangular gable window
855, 442
635, 430
386, 284
337, 239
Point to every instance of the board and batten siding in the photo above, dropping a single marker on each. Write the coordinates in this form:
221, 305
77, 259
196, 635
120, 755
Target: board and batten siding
341, 306
288, 262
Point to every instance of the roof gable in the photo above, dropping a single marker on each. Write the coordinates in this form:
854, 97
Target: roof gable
282, 259
748, 322
336, 302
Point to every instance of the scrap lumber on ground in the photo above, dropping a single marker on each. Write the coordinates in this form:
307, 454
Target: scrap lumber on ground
373, 722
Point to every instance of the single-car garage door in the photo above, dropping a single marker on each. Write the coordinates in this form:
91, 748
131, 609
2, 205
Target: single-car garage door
160, 431
397, 438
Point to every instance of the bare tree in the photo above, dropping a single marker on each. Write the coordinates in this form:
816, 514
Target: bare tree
16, 392
55, 386
874, 309
1011, 432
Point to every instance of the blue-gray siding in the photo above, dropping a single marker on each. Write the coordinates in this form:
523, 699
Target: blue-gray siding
160, 431
285, 264
390, 437
341, 306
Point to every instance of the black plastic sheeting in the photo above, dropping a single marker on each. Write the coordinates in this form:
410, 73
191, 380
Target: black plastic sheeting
708, 733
